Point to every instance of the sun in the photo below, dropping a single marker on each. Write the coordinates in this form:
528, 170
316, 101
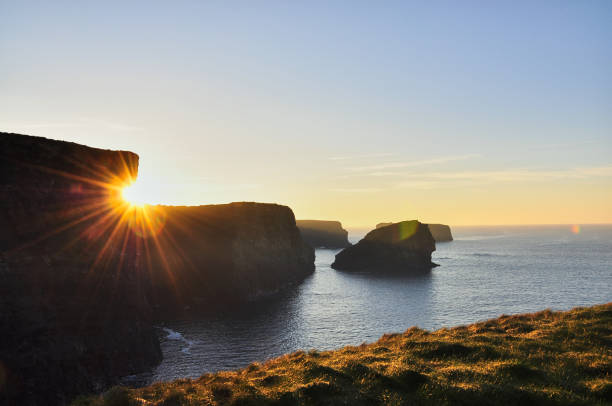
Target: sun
133, 195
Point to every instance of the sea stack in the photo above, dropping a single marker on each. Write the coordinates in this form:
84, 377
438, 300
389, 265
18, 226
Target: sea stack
403, 247
440, 232
323, 234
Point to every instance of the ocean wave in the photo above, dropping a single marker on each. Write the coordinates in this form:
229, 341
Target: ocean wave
487, 254
176, 336
173, 335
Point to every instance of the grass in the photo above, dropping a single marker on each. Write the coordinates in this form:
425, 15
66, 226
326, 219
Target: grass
545, 358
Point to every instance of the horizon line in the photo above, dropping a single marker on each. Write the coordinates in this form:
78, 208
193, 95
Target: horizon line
501, 225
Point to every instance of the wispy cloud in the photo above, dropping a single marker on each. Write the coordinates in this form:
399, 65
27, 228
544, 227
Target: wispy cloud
412, 164
564, 145
430, 180
375, 155
243, 186
356, 190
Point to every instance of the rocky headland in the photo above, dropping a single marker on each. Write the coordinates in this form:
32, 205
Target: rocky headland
213, 255
84, 274
323, 234
400, 247
440, 232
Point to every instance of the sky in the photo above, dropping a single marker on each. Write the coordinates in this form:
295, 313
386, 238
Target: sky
464, 113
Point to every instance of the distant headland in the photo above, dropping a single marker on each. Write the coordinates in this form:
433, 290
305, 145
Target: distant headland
323, 234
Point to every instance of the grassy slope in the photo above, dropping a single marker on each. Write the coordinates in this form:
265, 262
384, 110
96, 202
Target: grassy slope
541, 358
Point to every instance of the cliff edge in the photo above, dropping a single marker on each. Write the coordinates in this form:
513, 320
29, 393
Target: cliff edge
401, 247
325, 234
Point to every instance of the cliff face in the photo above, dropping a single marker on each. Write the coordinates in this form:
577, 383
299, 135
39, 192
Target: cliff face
402, 247
73, 314
328, 234
83, 274
229, 253
440, 232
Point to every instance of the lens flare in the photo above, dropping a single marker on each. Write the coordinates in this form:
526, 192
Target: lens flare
576, 229
407, 229
146, 221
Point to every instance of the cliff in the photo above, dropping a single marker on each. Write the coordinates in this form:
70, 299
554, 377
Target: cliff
544, 358
83, 274
320, 233
403, 247
73, 314
221, 254
440, 232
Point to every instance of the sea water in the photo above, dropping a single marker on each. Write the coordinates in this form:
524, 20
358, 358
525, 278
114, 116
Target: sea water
483, 273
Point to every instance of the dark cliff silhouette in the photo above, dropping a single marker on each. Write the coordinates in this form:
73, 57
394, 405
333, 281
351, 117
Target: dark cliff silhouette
323, 234
73, 309
83, 274
224, 254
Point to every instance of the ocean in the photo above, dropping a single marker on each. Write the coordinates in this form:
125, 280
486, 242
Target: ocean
484, 273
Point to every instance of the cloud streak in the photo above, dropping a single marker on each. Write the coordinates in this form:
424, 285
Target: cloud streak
412, 164
466, 179
357, 190
377, 155
469, 178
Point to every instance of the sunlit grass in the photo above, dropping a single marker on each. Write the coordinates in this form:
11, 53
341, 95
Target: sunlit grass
530, 359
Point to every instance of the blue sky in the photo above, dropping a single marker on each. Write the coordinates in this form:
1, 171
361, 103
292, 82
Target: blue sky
477, 103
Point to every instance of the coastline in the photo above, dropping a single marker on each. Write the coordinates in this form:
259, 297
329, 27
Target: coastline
536, 358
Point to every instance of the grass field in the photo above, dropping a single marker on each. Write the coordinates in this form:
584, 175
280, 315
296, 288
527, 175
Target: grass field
543, 358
